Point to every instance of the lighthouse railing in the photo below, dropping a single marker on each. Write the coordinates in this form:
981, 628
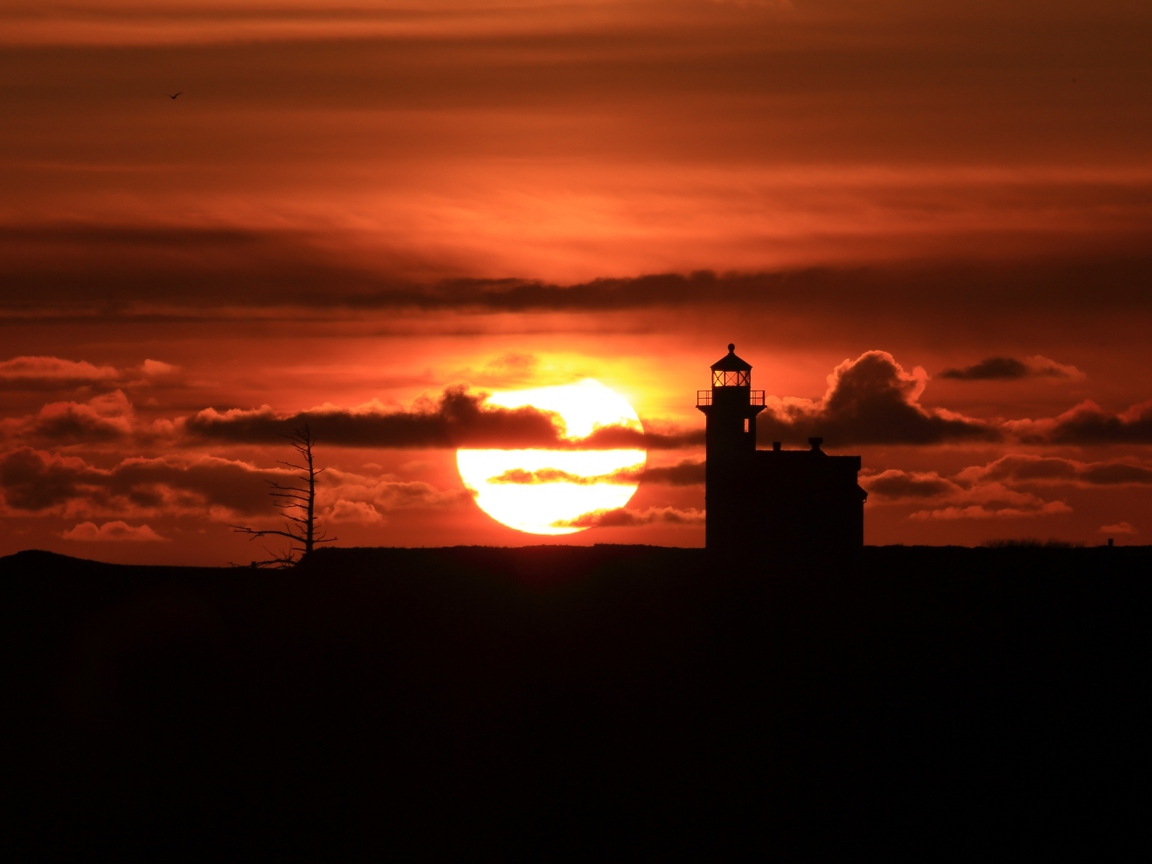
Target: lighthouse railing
704, 397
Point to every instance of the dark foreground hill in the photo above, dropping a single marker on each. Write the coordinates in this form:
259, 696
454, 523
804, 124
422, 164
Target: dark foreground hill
602, 702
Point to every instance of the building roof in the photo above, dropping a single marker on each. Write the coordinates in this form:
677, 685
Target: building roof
731, 363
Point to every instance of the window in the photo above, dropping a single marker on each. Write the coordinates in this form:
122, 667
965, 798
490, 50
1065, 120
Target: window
731, 379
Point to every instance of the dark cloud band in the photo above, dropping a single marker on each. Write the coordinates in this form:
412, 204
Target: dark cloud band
1012, 369
457, 418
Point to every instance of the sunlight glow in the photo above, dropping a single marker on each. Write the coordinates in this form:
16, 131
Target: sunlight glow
542, 507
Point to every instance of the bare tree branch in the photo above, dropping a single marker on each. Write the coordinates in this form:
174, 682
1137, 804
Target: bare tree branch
297, 505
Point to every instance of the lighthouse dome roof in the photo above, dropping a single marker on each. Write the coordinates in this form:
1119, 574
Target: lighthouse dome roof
731, 363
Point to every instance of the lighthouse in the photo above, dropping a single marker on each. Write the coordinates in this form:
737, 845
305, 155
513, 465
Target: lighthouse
784, 501
730, 408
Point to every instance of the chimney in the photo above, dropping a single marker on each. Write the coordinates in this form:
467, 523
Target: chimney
775, 446
816, 442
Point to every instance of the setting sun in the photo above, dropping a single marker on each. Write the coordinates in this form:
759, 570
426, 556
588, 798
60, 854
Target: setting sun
548, 491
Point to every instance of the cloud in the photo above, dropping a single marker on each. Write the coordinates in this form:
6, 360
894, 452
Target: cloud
1118, 528
623, 518
41, 372
383, 493
353, 511
460, 149
873, 400
158, 369
221, 490
870, 400
978, 511
980, 492
87, 532
514, 369
103, 271
1006, 488
685, 473
102, 418
509, 369
1009, 369
656, 435
1027, 468
457, 418
1088, 423
521, 477
111, 25
513, 361
35, 481
894, 484
985, 500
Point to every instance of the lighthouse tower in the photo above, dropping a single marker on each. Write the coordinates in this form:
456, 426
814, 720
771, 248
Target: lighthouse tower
730, 406
781, 501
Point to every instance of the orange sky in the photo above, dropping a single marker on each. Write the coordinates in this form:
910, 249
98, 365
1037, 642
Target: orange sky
354, 207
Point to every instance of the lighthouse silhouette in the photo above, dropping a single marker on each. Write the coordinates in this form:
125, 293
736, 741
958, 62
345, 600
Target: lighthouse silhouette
785, 501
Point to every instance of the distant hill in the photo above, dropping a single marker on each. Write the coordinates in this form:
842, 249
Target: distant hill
604, 701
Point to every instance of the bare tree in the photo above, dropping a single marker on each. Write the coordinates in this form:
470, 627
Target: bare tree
297, 503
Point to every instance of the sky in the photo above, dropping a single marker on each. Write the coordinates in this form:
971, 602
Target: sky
925, 225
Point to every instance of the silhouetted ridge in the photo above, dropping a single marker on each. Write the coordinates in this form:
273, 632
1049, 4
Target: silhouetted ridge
43, 562
564, 701
32, 558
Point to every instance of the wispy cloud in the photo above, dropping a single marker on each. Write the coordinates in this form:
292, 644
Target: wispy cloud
36, 373
1119, 528
1011, 369
112, 532
625, 518
1088, 423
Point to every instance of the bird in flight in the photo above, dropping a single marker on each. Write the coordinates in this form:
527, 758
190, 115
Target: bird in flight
174, 95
